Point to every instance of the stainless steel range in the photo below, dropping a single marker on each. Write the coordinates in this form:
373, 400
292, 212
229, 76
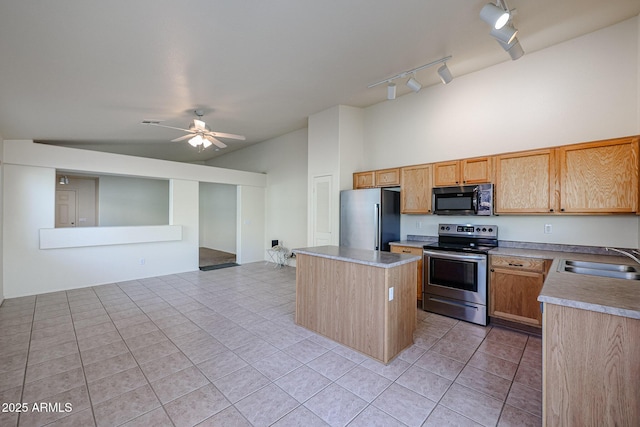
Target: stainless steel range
455, 271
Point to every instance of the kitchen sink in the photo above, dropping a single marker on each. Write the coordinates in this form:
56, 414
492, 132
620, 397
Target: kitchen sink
602, 269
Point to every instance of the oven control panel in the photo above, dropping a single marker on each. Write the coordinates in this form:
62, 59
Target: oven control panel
468, 230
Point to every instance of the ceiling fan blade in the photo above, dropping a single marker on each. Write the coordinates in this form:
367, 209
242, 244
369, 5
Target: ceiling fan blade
227, 135
216, 142
164, 126
182, 138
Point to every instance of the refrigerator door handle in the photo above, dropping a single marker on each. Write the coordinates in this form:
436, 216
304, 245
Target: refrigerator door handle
376, 221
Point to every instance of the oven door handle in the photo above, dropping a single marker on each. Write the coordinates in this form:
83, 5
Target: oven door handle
457, 304
455, 256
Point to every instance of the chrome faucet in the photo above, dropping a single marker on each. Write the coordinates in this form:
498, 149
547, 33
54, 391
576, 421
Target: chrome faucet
627, 254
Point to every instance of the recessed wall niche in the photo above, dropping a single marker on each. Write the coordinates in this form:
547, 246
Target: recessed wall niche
110, 200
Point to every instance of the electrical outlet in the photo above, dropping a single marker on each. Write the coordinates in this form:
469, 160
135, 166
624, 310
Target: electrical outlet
142, 261
390, 294
418, 224
548, 229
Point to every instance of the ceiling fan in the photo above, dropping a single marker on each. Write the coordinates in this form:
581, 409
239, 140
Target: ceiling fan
198, 134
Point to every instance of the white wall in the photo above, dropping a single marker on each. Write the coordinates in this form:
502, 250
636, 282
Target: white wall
125, 200
1, 217
28, 198
284, 160
218, 216
250, 224
583, 90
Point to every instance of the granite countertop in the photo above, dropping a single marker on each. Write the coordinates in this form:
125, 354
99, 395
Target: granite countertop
359, 256
619, 297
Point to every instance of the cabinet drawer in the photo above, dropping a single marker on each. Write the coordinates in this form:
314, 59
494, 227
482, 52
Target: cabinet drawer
520, 263
406, 250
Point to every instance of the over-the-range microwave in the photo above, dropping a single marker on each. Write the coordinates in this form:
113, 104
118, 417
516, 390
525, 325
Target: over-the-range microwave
463, 200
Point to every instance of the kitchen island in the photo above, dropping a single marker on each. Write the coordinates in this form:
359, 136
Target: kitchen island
363, 299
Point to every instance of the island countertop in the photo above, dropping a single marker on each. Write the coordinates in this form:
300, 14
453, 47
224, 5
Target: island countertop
359, 256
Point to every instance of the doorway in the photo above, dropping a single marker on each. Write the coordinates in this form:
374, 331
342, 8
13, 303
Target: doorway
217, 235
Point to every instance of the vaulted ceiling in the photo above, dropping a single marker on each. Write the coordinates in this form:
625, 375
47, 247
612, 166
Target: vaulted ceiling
86, 74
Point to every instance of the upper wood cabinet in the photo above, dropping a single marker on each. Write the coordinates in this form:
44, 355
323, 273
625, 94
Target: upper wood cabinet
599, 177
415, 189
364, 180
378, 178
388, 177
525, 182
460, 172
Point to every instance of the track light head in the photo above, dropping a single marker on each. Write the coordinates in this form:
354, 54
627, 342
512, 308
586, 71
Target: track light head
445, 74
495, 16
414, 85
505, 34
391, 91
514, 49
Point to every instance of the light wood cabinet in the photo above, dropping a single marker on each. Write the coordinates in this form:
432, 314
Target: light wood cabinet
364, 180
590, 368
377, 178
388, 177
461, 172
349, 302
399, 249
415, 189
600, 177
526, 182
514, 286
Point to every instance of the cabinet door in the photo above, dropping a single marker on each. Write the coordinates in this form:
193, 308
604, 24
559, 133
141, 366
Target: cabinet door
415, 188
525, 182
600, 177
476, 171
364, 180
446, 174
388, 177
514, 295
413, 251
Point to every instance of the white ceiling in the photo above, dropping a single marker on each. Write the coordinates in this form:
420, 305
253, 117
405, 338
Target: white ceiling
86, 73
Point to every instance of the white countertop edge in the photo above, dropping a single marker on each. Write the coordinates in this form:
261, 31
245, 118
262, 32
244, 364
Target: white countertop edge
394, 259
633, 314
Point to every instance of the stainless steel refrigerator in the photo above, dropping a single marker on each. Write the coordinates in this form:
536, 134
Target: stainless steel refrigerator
369, 218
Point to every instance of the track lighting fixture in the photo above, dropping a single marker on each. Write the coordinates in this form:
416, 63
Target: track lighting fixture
496, 16
412, 83
514, 49
64, 180
445, 74
505, 34
391, 91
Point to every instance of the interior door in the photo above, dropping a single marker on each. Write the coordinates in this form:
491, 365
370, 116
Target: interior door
321, 210
66, 208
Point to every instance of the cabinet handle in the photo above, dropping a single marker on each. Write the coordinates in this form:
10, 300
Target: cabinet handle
550, 210
562, 210
406, 251
492, 270
516, 265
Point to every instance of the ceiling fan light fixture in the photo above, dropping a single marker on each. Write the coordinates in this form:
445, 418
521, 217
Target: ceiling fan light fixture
494, 15
196, 140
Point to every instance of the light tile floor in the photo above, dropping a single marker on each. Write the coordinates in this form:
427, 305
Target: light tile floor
220, 348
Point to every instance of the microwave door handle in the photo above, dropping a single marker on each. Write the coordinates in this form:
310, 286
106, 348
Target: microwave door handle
376, 222
476, 200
